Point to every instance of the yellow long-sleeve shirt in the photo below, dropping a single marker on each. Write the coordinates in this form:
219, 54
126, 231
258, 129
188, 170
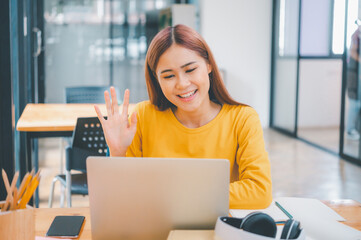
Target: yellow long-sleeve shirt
234, 134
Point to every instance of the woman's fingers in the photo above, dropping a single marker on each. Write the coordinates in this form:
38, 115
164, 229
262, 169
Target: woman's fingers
125, 103
115, 107
99, 113
112, 107
133, 121
108, 104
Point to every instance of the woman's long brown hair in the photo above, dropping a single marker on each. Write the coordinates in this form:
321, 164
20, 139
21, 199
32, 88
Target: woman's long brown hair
190, 39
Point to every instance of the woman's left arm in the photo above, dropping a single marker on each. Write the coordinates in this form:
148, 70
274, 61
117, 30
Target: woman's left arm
253, 190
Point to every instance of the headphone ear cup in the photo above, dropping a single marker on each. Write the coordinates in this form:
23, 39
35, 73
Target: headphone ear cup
260, 223
291, 230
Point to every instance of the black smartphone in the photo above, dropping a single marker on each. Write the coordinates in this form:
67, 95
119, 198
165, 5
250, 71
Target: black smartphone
66, 226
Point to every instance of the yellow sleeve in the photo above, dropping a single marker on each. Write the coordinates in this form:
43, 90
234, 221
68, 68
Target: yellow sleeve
135, 148
253, 190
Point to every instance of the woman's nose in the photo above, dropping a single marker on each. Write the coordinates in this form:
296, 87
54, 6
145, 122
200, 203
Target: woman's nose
182, 82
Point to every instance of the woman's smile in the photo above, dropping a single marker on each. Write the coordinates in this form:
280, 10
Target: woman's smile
189, 96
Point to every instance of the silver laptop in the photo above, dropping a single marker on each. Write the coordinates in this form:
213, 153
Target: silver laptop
145, 198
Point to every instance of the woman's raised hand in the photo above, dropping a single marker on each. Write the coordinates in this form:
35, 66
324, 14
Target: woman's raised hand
118, 132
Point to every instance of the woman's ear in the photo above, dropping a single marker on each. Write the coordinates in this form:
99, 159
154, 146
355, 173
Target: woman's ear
209, 68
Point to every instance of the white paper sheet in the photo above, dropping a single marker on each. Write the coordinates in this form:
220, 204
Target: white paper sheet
299, 207
294, 206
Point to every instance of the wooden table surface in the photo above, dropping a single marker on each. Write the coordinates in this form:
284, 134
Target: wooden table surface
349, 209
56, 117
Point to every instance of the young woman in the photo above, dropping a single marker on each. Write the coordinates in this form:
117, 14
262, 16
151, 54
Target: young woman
191, 114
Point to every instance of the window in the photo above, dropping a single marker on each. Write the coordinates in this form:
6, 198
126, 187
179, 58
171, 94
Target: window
339, 24
322, 27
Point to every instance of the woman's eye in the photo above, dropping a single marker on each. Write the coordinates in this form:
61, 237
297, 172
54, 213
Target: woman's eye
190, 70
169, 76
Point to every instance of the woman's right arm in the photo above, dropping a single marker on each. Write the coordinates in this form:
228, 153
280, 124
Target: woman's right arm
118, 131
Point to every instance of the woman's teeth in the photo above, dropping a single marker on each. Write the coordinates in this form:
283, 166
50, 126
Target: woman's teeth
187, 94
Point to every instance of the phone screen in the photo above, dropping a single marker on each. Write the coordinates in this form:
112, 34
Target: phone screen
66, 226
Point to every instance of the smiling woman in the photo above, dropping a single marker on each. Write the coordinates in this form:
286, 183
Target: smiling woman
191, 115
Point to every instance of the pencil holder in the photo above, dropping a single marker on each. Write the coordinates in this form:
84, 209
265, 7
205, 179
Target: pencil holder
17, 225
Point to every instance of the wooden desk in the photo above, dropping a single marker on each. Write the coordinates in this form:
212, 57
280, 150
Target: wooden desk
56, 117
349, 209
50, 120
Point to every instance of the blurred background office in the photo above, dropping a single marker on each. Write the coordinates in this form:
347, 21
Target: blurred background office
289, 59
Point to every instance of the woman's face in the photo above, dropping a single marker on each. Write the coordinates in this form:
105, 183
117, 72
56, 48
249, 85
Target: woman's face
183, 78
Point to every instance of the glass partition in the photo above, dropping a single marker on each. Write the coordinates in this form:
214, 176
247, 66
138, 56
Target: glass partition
319, 102
320, 73
352, 102
285, 68
98, 42
316, 82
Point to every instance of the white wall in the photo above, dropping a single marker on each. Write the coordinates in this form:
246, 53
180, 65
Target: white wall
239, 34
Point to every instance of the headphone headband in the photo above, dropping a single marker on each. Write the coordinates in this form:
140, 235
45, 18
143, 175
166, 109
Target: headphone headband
247, 217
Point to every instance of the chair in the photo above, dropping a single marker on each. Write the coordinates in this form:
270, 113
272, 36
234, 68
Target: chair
86, 94
88, 140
